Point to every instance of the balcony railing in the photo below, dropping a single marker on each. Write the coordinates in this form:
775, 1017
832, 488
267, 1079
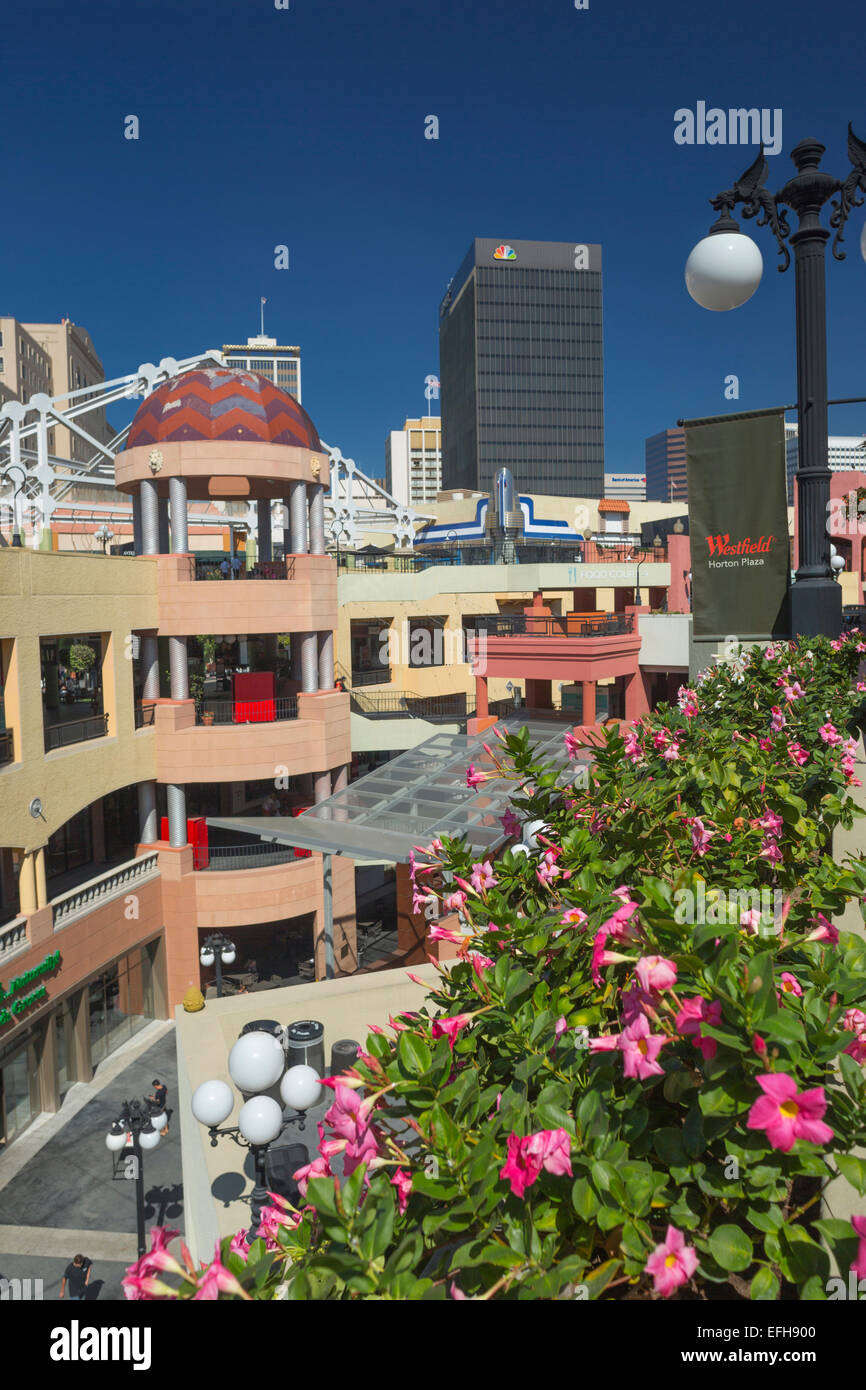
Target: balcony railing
262, 569
223, 858
76, 731
145, 711
570, 625
246, 711
7, 747
401, 703
68, 907
506, 553
376, 675
13, 938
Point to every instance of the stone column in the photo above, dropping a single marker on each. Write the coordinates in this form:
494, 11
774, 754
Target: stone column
309, 663
179, 668
317, 519
41, 880
162, 513
149, 516
136, 524
148, 825
481, 705
27, 900
176, 798
179, 527
150, 666
340, 779
326, 660
263, 528
298, 516
322, 786
588, 715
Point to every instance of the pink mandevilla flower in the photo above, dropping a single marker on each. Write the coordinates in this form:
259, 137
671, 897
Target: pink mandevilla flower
656, 972
549, 1149
787, 1114
671, 1264
640, 1049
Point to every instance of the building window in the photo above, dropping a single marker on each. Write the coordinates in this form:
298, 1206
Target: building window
121, 1002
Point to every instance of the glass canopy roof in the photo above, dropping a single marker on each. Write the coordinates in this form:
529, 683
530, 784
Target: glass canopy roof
420, 794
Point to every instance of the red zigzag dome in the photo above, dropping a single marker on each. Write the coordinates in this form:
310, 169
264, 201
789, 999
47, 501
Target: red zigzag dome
220, 404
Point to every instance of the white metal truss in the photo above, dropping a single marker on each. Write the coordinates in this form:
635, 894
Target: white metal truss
39, 482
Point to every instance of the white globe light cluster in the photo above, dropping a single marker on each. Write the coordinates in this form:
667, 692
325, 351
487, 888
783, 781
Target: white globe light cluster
256, 1063
724, 270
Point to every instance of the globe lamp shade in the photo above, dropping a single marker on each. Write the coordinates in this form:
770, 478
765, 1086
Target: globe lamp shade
256, 1062
212, 1102
158, 1120
837, 563
301, 1087
228, 955
206, 956
115, 1140
260, 1120
724, 270
148, 1139
863, 242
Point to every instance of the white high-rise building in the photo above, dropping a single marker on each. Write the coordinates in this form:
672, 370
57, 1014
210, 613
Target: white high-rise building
280, 364
844, 452
413, 461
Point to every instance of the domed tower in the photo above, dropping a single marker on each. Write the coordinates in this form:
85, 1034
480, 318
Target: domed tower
277, 721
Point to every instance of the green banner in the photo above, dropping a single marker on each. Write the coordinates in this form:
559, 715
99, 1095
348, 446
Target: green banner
738, 525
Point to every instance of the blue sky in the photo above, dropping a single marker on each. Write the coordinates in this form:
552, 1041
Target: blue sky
305, 127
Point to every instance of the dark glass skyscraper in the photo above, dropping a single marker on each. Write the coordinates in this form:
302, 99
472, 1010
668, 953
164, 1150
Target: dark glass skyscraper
521, 368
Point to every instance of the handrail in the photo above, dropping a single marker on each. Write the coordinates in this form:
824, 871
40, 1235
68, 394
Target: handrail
94, 726
573, 625
246, 711
112, 884
13, 937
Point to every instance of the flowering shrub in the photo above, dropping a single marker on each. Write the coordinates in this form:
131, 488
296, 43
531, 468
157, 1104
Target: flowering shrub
634, 1080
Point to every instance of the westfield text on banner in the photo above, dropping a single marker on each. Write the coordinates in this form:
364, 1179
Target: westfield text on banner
740, 554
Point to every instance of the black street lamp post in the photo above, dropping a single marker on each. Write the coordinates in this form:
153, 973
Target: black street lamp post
816, 603
135, 1131
217, 950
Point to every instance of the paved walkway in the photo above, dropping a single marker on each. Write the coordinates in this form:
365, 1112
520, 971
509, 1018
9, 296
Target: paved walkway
58, 1196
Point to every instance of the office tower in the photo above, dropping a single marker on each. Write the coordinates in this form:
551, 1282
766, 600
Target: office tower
413, 461
521, 368
280, 364
631, 486
74, 365
666, 479
844, 452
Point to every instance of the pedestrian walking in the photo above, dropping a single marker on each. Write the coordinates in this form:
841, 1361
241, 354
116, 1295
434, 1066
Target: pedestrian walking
159, 1098
224, 569
77, 1276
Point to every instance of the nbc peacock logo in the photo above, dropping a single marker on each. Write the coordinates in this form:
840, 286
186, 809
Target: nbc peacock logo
505, 253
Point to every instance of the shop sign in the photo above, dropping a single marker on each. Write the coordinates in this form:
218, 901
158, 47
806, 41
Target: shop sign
21, 982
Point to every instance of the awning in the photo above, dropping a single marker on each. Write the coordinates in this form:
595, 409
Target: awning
419, 795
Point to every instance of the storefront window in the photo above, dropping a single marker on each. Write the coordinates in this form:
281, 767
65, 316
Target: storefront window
67, 1072
121, 1002
71, 845
19, 1089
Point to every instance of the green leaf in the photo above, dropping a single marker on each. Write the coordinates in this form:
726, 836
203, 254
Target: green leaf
694, 1141
584, 1200
731, 1248
668, 1144
853, 1169
765, 1286
519, 981
414, 1054
852, 1075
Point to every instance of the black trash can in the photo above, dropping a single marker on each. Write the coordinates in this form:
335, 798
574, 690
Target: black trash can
343, 1055
305, 1045
264, 1025
280, 1164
